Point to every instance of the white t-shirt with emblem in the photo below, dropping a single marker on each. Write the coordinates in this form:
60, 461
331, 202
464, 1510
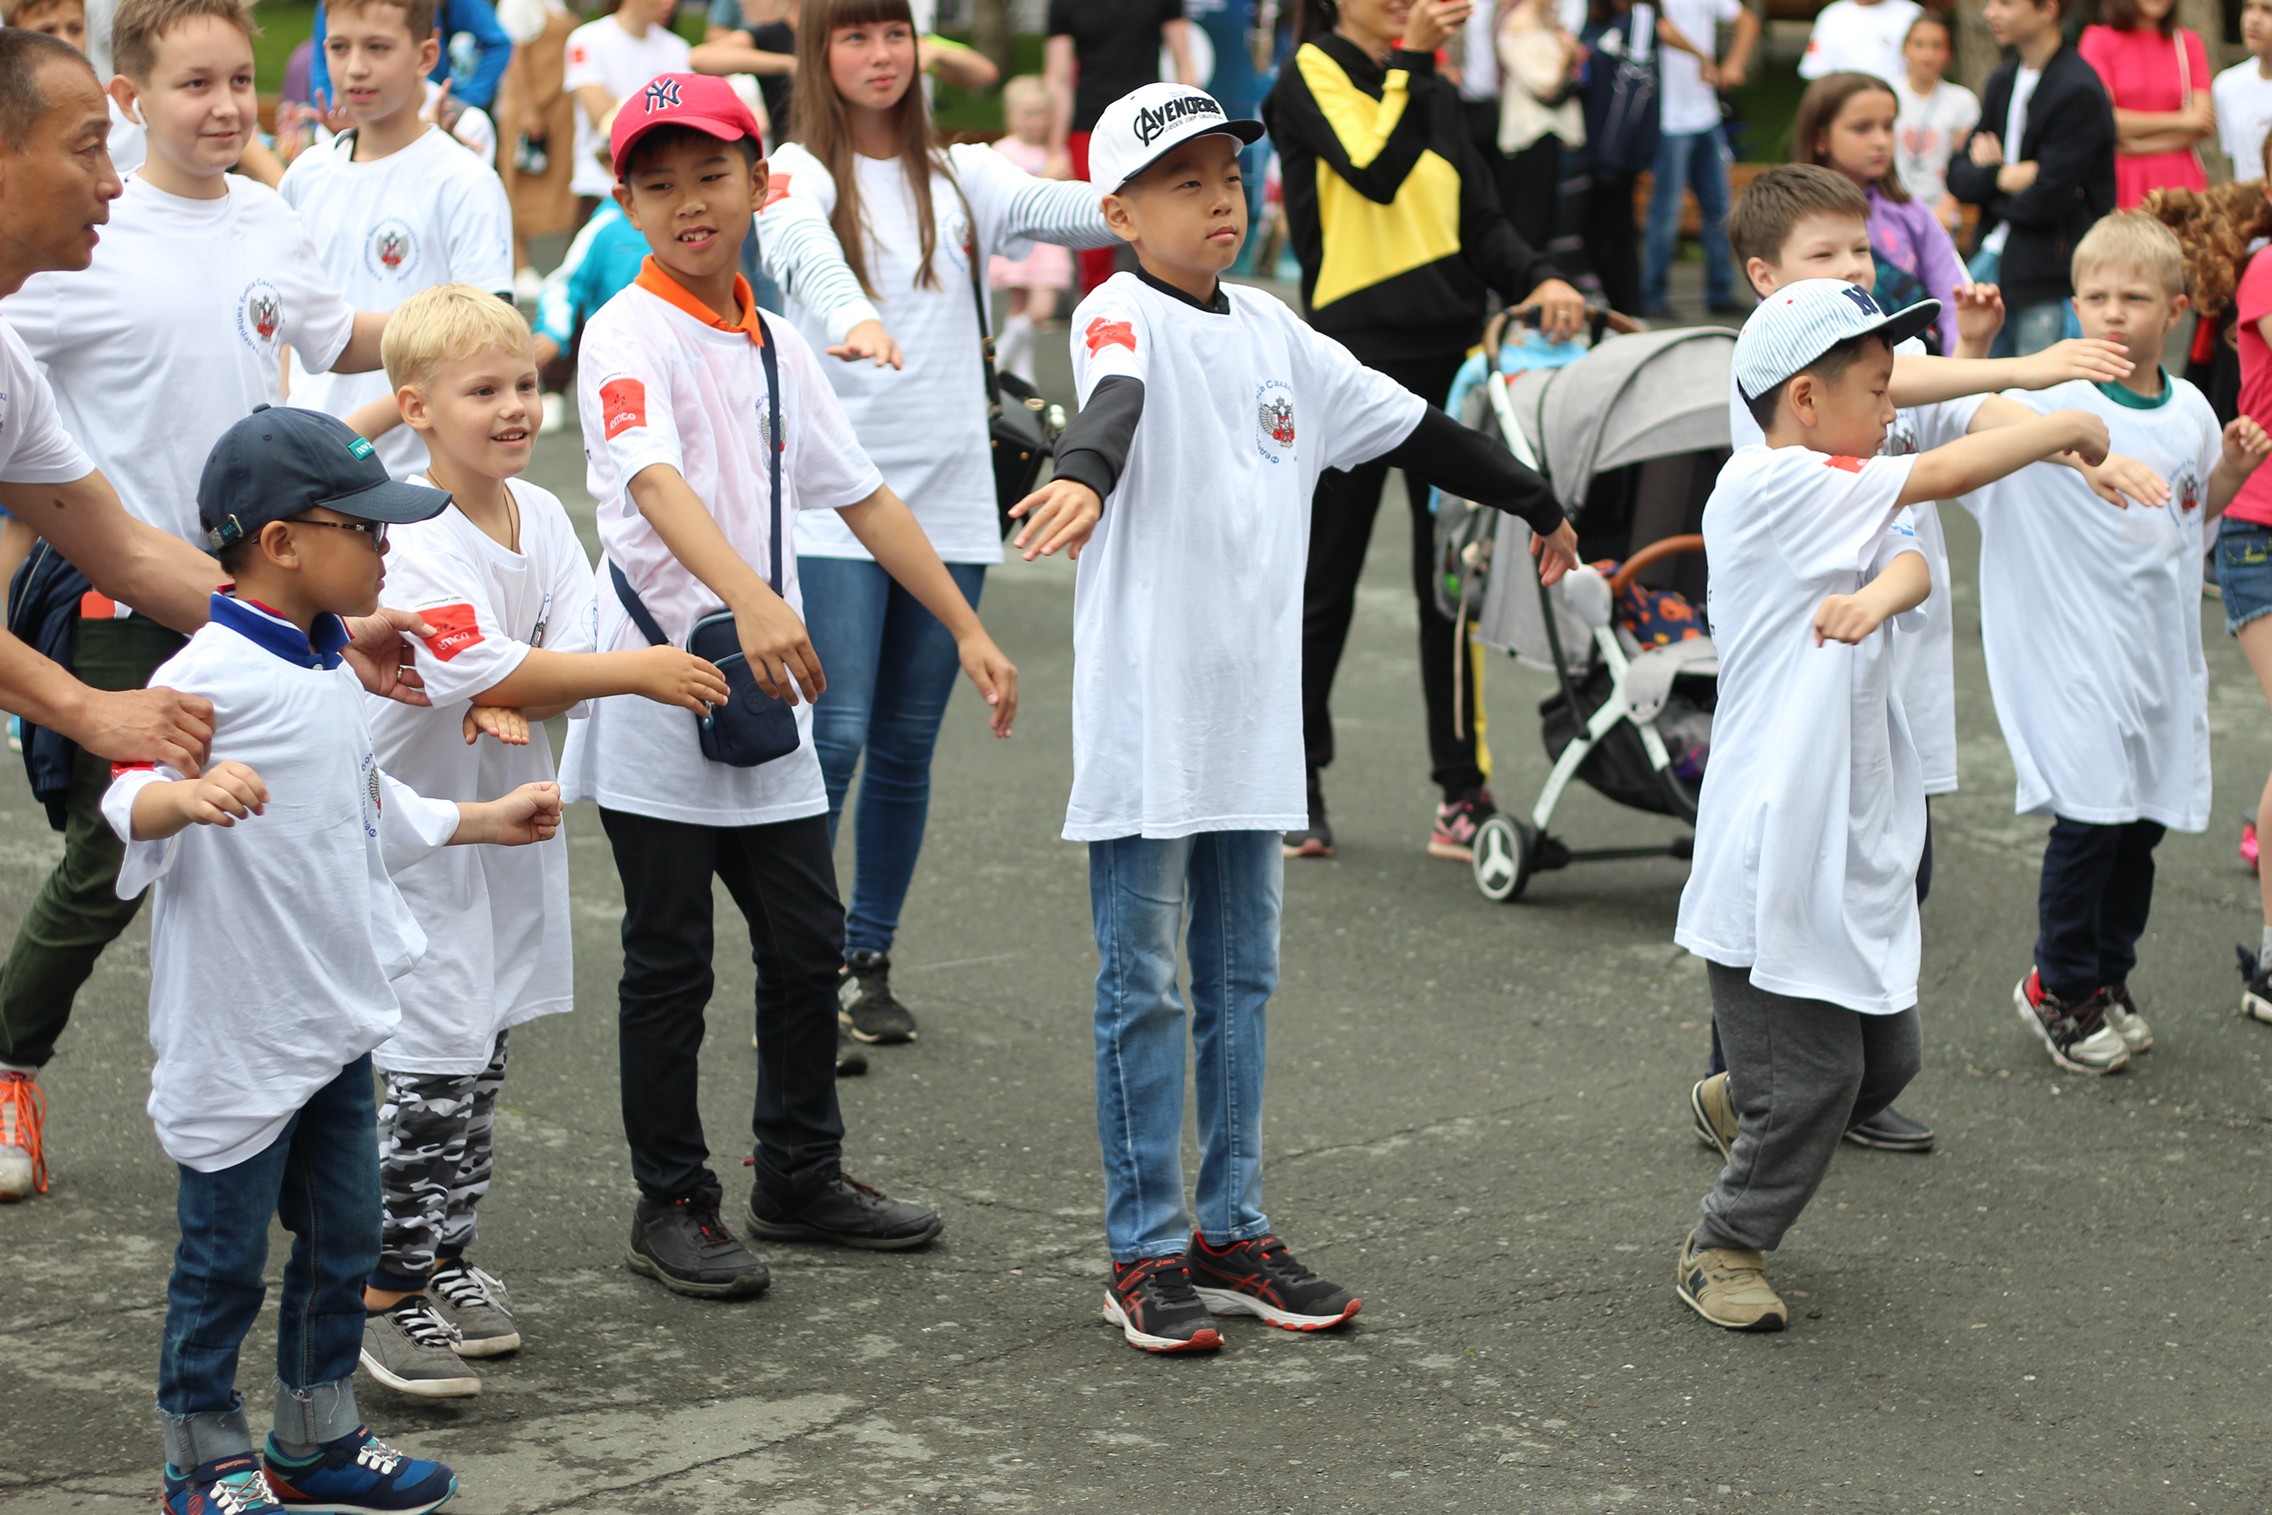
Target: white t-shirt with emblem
430, 214
1811, 820
601, 52
496, 918
2091, 618
34, 447
1849, 36
1187, 611
1924, 665
177, 332
656, 385
273, 942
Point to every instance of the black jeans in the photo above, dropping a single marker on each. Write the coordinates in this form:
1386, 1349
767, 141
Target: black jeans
1341, 528
1613, 242
2098, 885
784, 879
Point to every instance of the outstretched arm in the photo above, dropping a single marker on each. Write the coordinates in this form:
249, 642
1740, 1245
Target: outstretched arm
1920, 379
1986, 456
1474, 467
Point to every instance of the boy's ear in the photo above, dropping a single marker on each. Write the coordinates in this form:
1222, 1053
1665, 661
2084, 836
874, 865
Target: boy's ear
1121, 216
1761, 273
411, 401
622, 193
122, 90
429, 53
277, 546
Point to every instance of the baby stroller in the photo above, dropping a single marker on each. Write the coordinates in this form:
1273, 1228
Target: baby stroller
1631, 438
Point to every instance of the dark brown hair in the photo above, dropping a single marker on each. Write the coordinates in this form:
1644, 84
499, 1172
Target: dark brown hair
1780, 198
1819, 107
1931, 18
824, 129
22, 102
2124, 16
141, 24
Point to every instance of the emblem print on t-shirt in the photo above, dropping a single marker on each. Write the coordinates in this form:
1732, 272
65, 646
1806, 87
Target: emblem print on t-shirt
623, 406
2185, 488
1274, 420
371, 793
1103, 334
260, 316
456, 628
391, 251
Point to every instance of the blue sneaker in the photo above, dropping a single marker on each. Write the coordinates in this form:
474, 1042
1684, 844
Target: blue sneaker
232, 1485
358, 1475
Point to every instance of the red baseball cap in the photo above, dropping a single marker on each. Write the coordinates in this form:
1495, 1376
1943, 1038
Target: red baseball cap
702, 101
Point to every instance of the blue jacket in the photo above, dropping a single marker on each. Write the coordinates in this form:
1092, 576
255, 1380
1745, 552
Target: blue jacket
472, 16
44, 612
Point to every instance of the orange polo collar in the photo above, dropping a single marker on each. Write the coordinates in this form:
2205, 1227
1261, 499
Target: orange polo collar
653, 279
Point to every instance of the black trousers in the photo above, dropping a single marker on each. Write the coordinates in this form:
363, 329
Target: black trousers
2098, 885
783, 878
1341, 528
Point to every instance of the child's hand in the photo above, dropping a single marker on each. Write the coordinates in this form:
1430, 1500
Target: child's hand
1847, 618
333, 116
2092, 358
1063, 513
669, 676
995, 676
2245, 445
1979, 316
225, 795
2122, 478
1557, 554
503, 722
780, 654
528, 815
869, 340
2084, 435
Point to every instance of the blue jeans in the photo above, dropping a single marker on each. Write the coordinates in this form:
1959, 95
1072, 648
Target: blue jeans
1234, 883
321, 1178
1697, 161
890, 667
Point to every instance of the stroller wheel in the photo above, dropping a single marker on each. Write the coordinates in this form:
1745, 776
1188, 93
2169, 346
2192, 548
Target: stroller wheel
1506, 851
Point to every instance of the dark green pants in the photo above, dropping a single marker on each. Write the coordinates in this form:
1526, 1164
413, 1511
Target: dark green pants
78, 912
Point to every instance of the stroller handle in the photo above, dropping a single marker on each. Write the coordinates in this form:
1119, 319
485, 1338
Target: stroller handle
1655, 552
1599, 318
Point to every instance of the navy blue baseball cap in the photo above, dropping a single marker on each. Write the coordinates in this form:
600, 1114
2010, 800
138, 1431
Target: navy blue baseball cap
280, 462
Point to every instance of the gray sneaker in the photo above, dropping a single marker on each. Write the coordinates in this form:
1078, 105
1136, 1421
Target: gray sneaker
477, 1308
411, 1349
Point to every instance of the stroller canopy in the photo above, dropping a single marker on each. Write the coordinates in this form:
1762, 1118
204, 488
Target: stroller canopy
1657, 394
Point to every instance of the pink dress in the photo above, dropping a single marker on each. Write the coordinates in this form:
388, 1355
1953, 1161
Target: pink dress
2140, 69
1048, 266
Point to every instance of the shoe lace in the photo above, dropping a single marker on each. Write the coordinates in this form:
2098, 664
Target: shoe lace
1280, 1263
23, 1112
420, 1322
857, 1187
378, 1456
702, 1209
244, 1493
466, 1286
1158, 1279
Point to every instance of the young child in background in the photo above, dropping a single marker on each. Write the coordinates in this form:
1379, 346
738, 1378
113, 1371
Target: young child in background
1208, 412
2243, 93
1811, 822
602, 259
502, 578
1858, 36
65, 20
273, 943
608, 59
1935, 116
1036, 280
393, 204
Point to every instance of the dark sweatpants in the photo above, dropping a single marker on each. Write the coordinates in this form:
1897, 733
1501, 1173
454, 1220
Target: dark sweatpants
2098, 886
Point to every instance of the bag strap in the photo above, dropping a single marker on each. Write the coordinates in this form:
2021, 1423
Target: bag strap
640, 615
978, 299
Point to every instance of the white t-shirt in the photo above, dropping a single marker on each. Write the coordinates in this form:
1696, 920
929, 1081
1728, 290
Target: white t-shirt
1850, 37
2015, 132
656, 384
943, 466
2091, 617
1924, 664
1685, 103
273, 942
1926, 132
177, 332
601, 52
1811, 820
426, 215
496, 918
34, 447
1187, 612
2243, 98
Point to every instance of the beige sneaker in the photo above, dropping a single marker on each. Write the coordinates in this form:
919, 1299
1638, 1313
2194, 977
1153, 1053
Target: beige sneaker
1728, 1287
1714, 1112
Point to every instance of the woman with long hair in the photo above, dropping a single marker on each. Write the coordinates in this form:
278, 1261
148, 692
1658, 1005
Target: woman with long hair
872, 228
1401, 239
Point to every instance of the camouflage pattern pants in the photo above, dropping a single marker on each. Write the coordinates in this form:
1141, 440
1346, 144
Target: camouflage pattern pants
434, 1165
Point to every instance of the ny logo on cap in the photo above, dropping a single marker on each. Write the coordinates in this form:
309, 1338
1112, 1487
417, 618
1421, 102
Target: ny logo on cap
1861, 297
662, 95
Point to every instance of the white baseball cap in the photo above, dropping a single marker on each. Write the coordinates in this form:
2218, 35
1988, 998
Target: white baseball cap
1145, 125
1800, 322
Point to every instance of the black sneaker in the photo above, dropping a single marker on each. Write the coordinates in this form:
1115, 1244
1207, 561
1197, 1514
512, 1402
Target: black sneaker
684, 1246
843, 1212
851, 1062
2075, 1031
2256, 986
868, 1008
1315, 840
1153, 1303
1891, 1131
1261, 1278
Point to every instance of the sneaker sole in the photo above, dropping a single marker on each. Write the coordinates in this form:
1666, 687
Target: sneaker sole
1766, 1325
869, 1037
489, 1346
2043, 1035
740, 1288
768, 1230
342, 1507
421, 1388
1232, 1302
1706, 1132
2256, 1007
1205, 1339
1890, 1144
1450, 850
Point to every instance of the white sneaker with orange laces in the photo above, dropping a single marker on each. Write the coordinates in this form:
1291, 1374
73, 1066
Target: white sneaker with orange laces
23, 1168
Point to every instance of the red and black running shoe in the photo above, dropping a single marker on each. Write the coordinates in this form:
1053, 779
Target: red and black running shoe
1261, 1278
1152, 1303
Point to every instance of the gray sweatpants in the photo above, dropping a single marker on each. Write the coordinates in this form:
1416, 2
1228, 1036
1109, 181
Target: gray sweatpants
1799, 1072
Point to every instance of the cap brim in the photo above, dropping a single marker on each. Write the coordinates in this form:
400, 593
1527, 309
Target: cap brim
1909, 321
392, 502
714, 126
1247, 130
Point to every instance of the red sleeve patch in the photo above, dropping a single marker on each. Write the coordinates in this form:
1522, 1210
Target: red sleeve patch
1851, 465
623, 405
121, 770
1103, 334
456, 628
776, 190
579, 53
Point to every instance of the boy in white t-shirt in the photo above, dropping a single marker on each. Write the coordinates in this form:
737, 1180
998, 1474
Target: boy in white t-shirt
394, 204
707, 429
608, 60
273, 941
503, 580
1208, 412
1811, 822
2101, 687
2243, 93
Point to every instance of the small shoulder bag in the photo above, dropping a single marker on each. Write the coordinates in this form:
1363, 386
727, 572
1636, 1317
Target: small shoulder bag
1017, 419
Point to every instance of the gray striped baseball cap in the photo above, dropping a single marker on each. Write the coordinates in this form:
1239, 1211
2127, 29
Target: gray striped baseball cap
1799, 322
